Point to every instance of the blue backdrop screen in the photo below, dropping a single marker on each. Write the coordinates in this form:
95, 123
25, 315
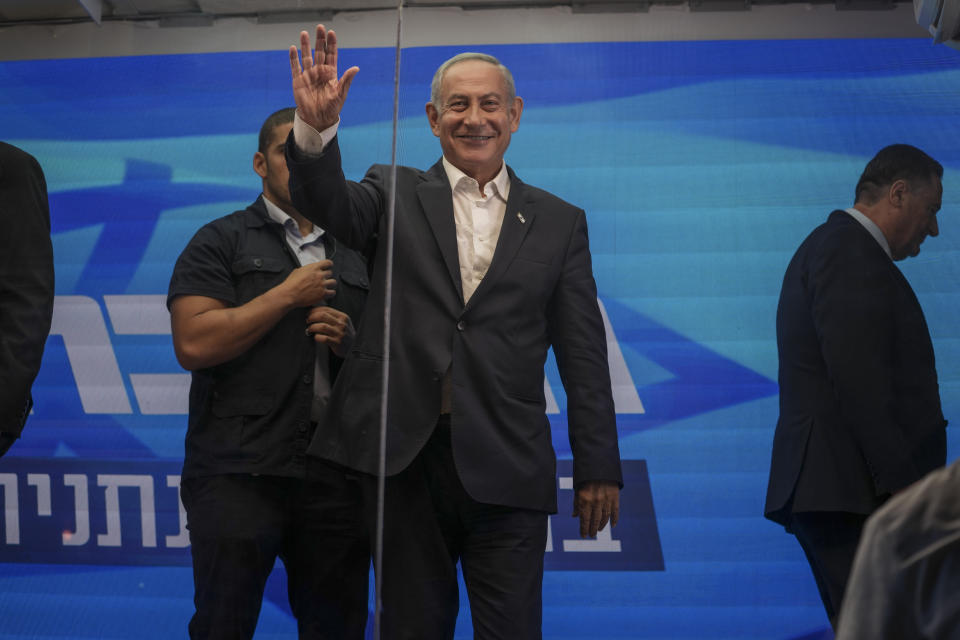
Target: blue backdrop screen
701, 166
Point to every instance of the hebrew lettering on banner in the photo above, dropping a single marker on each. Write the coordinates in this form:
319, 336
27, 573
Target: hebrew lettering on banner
123, 513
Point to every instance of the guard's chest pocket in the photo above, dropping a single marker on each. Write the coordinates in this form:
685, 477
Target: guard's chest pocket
255, 274
355, 278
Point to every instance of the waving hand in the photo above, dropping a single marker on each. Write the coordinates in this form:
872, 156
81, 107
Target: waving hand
317, 92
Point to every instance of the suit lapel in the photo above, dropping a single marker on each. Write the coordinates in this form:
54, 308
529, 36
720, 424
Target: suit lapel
517, 222
437, 202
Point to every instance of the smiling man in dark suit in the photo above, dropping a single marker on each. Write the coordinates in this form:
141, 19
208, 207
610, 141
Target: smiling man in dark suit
488, 273
860, 415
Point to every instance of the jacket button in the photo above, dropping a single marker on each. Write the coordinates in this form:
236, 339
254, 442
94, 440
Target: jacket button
307, 379
461, 325
257, 262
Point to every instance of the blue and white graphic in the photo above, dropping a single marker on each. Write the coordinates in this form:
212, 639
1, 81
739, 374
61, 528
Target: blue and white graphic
701, 166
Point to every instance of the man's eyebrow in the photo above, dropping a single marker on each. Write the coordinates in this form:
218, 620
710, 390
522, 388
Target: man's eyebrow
459, 96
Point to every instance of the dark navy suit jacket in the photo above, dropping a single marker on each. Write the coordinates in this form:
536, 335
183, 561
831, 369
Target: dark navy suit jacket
860, 413
539, 291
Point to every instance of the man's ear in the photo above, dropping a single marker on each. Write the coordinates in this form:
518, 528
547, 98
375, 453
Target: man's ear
896, 192
433, 116
516, 110
260, 164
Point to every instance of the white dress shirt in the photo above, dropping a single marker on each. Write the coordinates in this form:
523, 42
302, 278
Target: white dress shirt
478, 217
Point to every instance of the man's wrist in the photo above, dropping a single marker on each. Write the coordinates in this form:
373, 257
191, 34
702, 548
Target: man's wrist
309, 140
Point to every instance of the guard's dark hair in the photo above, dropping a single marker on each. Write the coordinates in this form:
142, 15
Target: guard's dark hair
896, 162
273, 121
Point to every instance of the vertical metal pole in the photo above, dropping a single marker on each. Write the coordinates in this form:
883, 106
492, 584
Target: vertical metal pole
388, 296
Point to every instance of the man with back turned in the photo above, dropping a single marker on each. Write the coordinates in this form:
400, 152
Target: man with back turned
488, 273
860, 415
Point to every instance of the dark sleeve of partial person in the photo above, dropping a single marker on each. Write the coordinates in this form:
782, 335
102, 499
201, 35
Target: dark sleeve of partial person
26, 285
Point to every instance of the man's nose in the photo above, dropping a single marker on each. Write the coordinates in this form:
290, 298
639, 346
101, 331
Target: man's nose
474, 115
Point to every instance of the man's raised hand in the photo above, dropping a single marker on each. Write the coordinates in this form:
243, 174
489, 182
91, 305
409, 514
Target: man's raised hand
318, 94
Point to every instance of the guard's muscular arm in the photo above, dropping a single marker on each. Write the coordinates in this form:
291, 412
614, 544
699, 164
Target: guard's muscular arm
208, 332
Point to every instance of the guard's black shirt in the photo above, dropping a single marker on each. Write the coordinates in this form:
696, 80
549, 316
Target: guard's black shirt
252, 414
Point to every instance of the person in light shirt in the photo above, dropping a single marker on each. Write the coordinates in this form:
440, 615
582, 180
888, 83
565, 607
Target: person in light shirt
906, 573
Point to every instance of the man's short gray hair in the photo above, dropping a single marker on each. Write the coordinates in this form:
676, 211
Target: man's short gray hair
463, 57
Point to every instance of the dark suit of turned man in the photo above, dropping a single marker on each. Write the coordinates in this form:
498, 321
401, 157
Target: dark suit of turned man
860, 414
469, 456
26, 285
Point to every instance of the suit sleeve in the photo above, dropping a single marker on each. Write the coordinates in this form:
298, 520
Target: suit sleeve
26, 283
853, 298
349, 210
579, 343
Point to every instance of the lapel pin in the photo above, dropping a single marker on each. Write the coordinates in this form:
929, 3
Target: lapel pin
521, 218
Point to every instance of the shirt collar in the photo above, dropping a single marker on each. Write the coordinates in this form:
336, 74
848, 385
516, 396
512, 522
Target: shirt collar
872, 227
280, 216
501, 182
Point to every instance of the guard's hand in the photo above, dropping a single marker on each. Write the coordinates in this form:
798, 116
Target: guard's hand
310, 284
318, 94
331, 327
596, 502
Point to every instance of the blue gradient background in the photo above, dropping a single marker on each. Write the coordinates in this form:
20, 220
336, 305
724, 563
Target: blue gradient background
701, 165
